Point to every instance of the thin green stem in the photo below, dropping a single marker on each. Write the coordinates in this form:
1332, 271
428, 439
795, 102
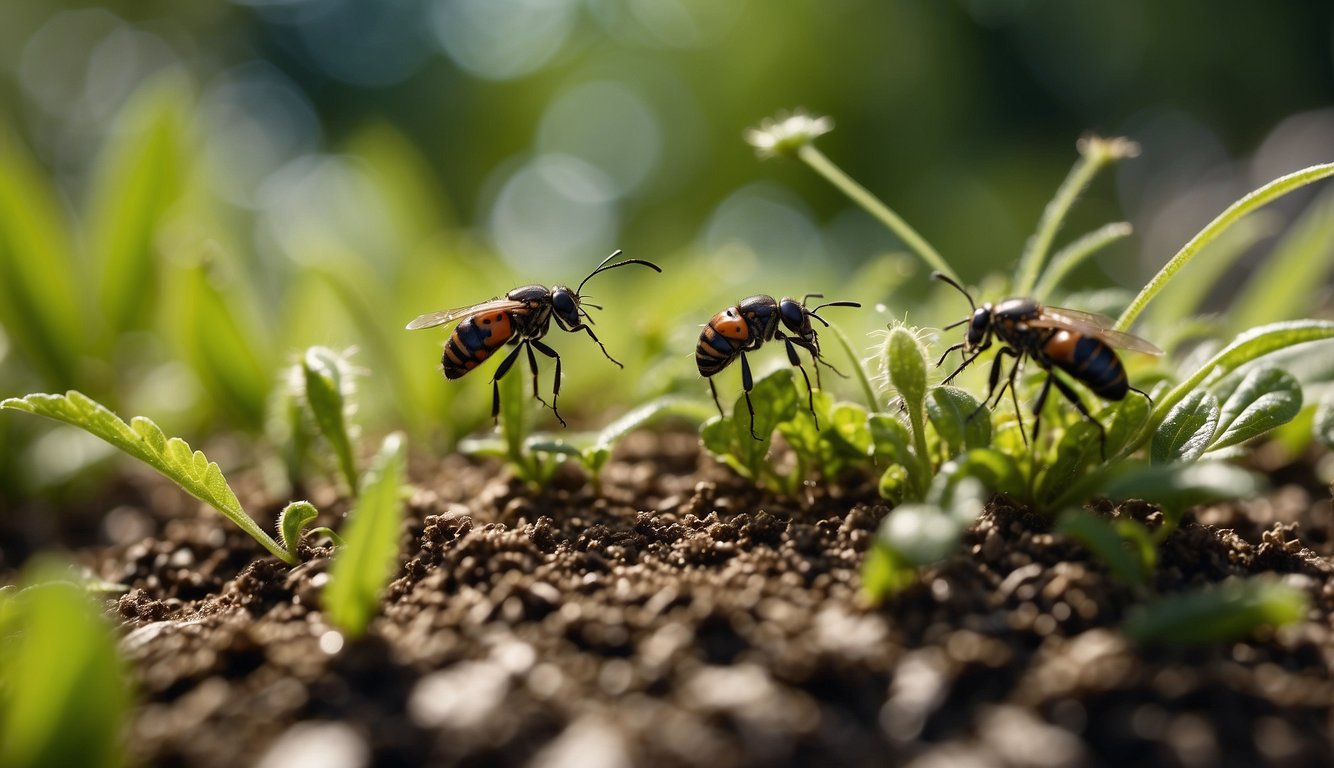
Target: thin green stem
1076, 253
873, 205
867, 389
1096, 154
1260, 197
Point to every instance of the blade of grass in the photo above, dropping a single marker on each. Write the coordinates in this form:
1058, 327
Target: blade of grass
1070, 257
1184, 298
1260, 197
1095, 153
868, 391
1294, 275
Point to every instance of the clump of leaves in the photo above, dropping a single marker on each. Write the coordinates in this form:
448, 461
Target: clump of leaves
366, 558
64, 693
172, 458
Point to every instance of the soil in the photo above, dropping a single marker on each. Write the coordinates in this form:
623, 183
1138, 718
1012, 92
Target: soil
684, 618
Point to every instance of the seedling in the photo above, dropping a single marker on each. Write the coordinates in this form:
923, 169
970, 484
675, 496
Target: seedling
327, 390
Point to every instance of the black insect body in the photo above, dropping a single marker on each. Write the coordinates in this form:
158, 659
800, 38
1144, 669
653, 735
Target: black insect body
1078, 343
520, 319
749, 324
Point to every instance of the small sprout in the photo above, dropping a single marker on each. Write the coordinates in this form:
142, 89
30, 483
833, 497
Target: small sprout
1225, 613
787, 132
919, 534
329, 388
1124, 546
367, 560
142, 439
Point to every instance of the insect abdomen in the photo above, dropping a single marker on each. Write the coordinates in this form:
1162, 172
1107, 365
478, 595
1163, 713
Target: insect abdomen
1091, 361
720, 341
473, 341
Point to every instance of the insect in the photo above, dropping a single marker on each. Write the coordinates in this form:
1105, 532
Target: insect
746, 326
1078, 343
520, 320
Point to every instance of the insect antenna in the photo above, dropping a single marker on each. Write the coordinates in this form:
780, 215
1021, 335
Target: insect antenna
947, 279
604, 266
813, 310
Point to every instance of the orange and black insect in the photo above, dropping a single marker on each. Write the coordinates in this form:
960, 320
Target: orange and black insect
747, 325
1078, 343
520, 320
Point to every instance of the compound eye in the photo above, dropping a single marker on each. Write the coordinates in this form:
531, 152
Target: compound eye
977, 329
793, 314
563, 302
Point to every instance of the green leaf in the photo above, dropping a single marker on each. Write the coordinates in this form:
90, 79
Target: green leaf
775, 400
367, 560
1187, 430
1123, 421
1266, 398
1218, 614
41, 307
292, 522
885, 573
1260, 197
1125, 559
67, 695
139, 177
1294, 274
1078, 450
905, 362
1070, 257
719, 437
959, 420
924, 533
851, 425
1324, 420
996, 470
329, 386
667, 406
1183, 299
1176, 487
906, 476
142, 439
801, 432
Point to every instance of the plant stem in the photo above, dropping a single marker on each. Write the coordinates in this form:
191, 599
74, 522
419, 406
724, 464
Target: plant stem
1096, 154
873, 205
1260, 197
867, 389
1077, 253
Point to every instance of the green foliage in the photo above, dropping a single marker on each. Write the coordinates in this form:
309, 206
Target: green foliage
1185, 432
143, 440
368, 559
728, 437
921, 533
64, 693
1224, 613
330, 389
1124, 545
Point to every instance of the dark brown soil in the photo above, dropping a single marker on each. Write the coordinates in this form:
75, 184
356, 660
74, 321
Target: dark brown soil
685, 619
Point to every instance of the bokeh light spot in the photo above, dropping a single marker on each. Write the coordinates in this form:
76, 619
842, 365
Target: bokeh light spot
553, 211
502, 39
607, 125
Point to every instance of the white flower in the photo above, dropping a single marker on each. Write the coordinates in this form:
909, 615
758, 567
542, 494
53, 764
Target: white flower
785, 133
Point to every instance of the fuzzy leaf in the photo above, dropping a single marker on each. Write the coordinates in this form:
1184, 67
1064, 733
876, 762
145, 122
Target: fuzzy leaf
368, 558
1266, 398
67, 693
326, 374
959, 420
1219, 614
1187, 430
1098, 535
906, 363
292, 521
145, 441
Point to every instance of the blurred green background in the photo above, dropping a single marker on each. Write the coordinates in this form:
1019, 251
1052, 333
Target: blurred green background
192, 193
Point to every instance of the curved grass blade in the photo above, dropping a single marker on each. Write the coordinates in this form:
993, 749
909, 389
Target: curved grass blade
1294, 274
142, 439
368, 558
1260, 197
1070, 257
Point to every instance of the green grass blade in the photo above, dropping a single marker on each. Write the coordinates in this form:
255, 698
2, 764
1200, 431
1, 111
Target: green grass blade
368, 558
595, 458
1183, 298
67, 695
1266, 398
329, 387
1070, 257
140, 174
1292, 278
1260, 197
41, 307
1225, 613
142, 439
859, 370
1095, 154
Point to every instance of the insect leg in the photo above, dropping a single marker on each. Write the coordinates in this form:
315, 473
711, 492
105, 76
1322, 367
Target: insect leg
1073, 397
1145, 394
714, 390
810, 394
584, 327
958, 346
747, 383
504, 368
555, 388
967, 361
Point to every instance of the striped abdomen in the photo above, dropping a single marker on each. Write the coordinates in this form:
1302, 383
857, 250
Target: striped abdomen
474, 340
726, 334
1090, 360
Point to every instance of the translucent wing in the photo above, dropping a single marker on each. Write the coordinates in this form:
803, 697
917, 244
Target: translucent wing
1092, 325
432, 319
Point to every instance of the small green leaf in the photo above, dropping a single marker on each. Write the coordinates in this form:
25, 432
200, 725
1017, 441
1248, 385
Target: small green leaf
1218, 614
924, 533
67, 694
1098, 535
1123, 421
959, 420
775, 400
292, 521
329, 386
905, 360
892, 446
663, 407
144, 441
850, 423
1324, 420
1187, 430
1266, 398
996, 470
1079, 449
885, 573
365, 563
801, 432
1180, 486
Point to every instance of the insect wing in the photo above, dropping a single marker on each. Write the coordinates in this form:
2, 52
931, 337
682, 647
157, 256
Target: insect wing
1091, 324
432, 319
